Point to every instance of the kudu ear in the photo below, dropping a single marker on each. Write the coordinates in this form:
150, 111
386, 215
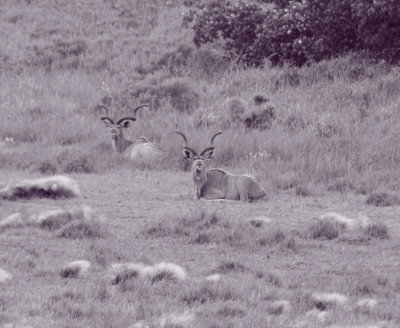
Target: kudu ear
187, 154
107, 121
125, 124
208, 153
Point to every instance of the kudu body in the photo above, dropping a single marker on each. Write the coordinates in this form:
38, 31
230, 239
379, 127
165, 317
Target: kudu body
217, 183
141, 150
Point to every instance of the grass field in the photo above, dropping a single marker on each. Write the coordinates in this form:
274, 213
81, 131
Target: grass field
322, 140
269, 273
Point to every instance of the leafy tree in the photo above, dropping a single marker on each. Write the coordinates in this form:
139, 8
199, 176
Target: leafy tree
299, 31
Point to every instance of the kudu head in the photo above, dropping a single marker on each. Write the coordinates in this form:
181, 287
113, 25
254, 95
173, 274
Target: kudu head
115, 128
198, 166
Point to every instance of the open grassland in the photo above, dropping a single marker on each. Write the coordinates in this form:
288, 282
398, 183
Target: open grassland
320, 139
241, 270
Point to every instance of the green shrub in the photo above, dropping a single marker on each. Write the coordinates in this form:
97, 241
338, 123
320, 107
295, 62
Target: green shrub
175, 60
299, 32
178, 92
260, 119
234, 112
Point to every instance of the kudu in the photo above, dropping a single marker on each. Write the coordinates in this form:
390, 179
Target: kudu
216, 183
141, 150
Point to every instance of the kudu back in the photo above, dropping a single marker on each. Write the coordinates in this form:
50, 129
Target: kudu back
141, 149
217, 183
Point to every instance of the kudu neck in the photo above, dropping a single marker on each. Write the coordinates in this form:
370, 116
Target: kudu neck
199, 176
120, 143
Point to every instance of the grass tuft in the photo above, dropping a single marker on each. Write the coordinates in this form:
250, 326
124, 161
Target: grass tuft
260, 119
82, 230
209, 294
278, 307
370, 283
75, 269
54, 219
202, 238
376, 230
382, 199
303, 191
270, 278
291, 244
82, 164
324, 229
341, 186
47, 168
231, 311
272, 237
53, 187
229, 266
179, 93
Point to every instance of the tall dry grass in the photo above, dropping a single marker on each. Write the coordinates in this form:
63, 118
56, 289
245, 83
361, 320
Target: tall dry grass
331, 124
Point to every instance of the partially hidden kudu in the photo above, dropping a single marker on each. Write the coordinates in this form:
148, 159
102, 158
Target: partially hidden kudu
216, 183
141, 150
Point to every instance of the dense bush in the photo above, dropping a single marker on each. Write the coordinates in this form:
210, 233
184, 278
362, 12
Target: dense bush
300, 32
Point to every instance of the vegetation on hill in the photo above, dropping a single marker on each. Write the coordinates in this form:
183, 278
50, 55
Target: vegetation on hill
299, 32
331, 123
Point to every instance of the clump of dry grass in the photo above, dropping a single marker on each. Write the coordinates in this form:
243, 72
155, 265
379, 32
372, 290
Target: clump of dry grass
103, 255
366, 303
342, 220
48, 187
229, 266
376, 230
341, 185
324, 229
270, 278
204, 227
185, 319
371, 283
177, 92
54, 219
231, 310
303, 191
13, 221
272, 237
260, 221
122, 273
279, 307
75, 269
260, 118
168, 271
234, 110
69, 304
324, 301
197, 225
207, 293
382, 199
73, 223
82, 230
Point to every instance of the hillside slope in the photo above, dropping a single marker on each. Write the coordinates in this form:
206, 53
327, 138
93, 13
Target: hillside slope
332, 124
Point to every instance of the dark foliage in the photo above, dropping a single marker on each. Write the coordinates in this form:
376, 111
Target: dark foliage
299, 32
